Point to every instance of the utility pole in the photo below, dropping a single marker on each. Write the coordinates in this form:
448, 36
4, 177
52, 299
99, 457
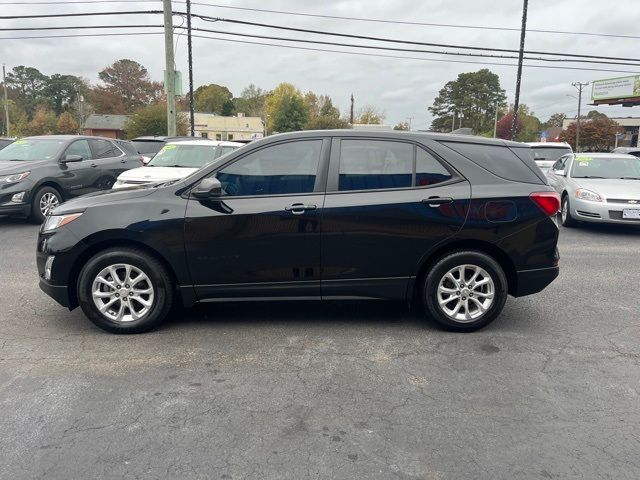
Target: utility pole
453, 121
516, 104
190, 57
170, 85
351, 114
495, 123
6, 102
410, 118
579, 86
80, 112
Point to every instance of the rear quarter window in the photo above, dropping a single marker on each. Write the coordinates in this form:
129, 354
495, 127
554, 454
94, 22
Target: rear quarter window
501, 161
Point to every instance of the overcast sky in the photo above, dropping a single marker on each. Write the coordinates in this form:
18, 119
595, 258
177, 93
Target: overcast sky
403, 88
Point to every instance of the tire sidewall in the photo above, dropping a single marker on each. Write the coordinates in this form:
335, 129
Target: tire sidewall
450, 261
568, 221
36, 215
161, 283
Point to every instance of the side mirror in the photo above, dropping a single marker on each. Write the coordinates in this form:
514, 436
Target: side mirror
208, 188
71, 159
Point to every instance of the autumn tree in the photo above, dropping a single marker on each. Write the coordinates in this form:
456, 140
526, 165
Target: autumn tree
555, 120
596, 135
475, 95
402, 126
369, 115
152, 120
67, 124
127, 86
324, 115
213, 98
44, 122
284, 95
503, 129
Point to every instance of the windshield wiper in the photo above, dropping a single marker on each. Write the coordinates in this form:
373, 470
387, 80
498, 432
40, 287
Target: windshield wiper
629, 178
589, 176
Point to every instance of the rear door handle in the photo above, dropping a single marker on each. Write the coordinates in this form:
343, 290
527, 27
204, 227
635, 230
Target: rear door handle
437, 201
299, 208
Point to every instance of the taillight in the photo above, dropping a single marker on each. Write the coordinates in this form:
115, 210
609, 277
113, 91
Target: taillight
549, 202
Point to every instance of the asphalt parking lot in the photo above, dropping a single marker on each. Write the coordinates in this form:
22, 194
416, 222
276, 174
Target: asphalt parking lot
341, 391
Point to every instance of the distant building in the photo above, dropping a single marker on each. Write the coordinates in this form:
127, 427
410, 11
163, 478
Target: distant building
111, 126
631, 128
217, 127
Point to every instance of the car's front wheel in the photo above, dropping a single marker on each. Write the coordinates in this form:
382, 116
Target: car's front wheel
465, 290
43, 201
565, 213
125, 290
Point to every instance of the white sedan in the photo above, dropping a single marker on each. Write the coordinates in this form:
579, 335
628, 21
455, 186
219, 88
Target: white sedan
176, 160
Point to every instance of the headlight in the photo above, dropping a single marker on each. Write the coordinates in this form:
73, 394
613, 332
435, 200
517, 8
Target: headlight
15, 178
583, 194
56, 221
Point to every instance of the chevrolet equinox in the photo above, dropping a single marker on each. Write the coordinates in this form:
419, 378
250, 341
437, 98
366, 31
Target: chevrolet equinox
455, 222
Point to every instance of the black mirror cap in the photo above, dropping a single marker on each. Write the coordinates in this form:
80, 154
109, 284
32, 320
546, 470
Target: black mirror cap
208, 188
71, 159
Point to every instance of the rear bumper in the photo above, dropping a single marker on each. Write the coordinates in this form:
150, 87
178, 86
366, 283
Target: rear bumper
60, 293
534, 281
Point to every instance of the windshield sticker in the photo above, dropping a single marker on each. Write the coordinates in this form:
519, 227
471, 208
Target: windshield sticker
20, 142
584, 159
584, 164
167, 147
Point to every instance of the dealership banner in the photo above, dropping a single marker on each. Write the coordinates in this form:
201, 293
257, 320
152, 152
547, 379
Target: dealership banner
616, 88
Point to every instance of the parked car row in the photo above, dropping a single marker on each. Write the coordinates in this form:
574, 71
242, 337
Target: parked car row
39, 173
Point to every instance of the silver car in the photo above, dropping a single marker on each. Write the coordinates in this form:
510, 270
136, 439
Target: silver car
597, 187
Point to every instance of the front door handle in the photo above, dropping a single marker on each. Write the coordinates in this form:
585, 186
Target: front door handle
94, 165
437, 201
299, 208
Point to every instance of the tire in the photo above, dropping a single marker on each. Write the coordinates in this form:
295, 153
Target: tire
44, 196
139, 305
491, 295
565, 213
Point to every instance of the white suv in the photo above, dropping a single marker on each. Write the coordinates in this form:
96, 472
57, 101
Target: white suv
547, 153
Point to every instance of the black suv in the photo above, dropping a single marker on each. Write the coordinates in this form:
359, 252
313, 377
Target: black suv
456, 222
39, 173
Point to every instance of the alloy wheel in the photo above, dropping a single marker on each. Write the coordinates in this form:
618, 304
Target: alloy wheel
465, 293
564, 211
48, 201
122, 293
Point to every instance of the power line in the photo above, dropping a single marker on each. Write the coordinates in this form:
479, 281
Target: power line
334, 17
318, 32
78, 27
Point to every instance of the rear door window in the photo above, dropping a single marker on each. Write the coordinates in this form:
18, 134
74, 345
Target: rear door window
104, 149
500, 161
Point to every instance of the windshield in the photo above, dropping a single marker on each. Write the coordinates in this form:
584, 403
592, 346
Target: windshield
605, 167
190, 156
32, 149
149, 148
549, 153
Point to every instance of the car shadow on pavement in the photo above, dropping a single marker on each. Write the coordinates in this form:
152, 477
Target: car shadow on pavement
612, 229
4, 220
371, 313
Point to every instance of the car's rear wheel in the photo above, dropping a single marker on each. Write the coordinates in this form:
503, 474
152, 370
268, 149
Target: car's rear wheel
44, 200
125, 290
465, 290
565, 213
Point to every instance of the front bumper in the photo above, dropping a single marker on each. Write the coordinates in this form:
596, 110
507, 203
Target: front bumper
60, 293
602, 212
534, 281
21, 209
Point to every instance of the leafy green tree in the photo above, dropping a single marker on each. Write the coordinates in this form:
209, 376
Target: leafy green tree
62, 91
228, 108
475, 95
251, 101
127, 86
274, 100
290, 116
596, 114
327, 117
555, 120
26, 85
212, 98
67, 124
152, 120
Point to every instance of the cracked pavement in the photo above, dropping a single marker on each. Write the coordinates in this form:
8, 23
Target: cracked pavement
339, 391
